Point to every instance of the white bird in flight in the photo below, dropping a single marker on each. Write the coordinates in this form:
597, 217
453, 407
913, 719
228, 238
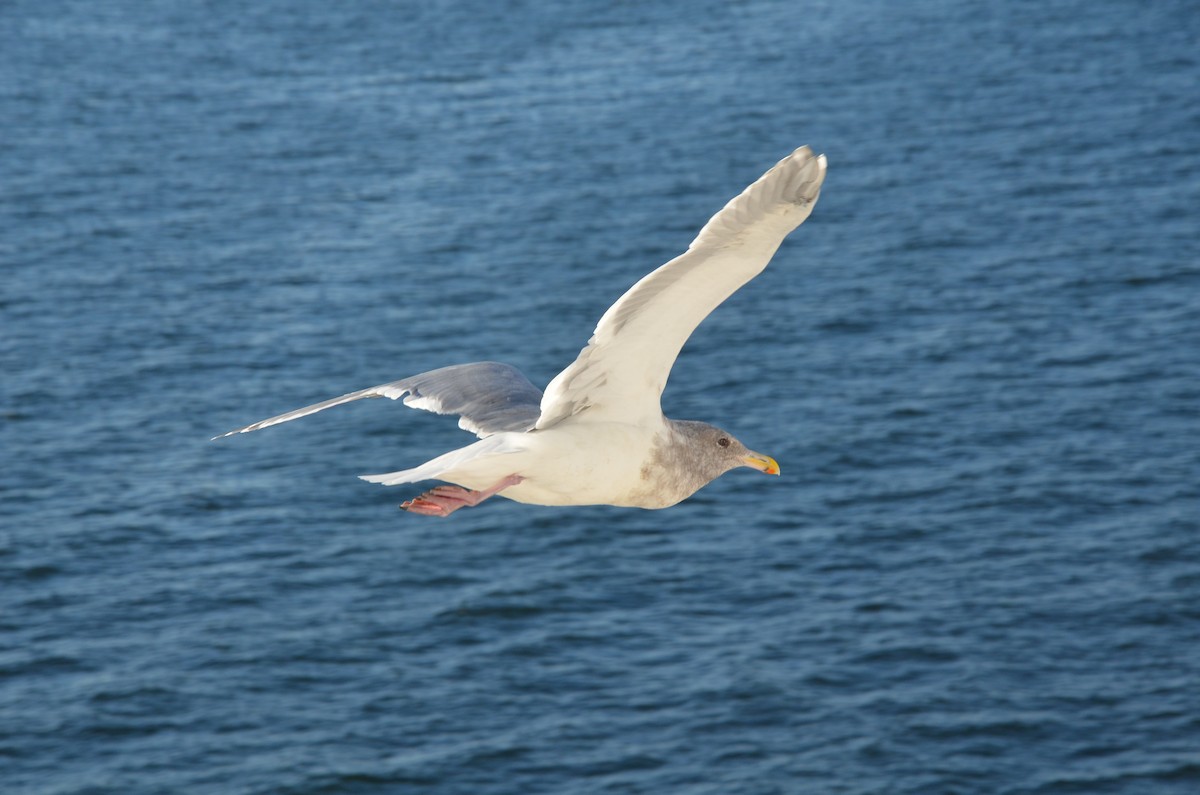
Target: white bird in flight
597, 436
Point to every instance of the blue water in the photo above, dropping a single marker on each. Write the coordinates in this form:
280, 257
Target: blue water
978, 364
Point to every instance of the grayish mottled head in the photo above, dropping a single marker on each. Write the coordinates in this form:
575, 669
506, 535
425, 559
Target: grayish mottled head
692, 455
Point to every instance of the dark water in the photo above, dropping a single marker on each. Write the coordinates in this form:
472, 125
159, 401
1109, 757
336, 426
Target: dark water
978, 363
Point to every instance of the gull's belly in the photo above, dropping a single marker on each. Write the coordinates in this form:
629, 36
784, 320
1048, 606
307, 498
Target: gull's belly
584, 464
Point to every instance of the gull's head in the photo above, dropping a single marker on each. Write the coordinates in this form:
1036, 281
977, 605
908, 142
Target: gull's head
714, 451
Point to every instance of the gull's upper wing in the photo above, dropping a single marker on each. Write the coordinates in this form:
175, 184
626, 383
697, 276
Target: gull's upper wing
489, 397
621, 373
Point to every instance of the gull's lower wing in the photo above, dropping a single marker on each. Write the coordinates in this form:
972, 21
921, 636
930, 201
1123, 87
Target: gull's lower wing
621, 373
488, 397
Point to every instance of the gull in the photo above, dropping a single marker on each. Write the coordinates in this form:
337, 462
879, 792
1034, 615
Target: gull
597, 435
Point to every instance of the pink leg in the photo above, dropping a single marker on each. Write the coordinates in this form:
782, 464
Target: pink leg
445, 500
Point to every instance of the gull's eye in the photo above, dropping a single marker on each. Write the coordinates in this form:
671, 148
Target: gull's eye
724, 442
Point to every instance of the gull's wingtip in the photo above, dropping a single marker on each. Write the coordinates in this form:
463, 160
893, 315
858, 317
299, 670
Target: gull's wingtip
805, 153
232, 433
800, 176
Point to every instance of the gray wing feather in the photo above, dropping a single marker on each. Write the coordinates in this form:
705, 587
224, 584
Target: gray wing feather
489, 398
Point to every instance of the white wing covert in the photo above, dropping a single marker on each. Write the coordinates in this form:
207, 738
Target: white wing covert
621, 373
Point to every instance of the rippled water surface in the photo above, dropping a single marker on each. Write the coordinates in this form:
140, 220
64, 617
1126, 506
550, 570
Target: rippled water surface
978, 364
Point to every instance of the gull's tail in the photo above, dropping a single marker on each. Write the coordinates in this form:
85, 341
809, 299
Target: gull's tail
463, 463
